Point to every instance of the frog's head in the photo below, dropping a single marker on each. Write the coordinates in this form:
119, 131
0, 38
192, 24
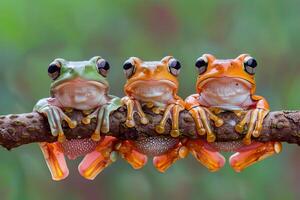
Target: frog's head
226, 82
151, 78
81, 84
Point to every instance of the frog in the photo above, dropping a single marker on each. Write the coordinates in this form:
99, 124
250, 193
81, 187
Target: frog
83, 86
154, 85
228, 85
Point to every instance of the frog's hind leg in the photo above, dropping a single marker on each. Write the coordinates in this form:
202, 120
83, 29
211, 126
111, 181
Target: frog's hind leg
163, 162
250, 154
206, 154
94, 162
55, 160
129, 152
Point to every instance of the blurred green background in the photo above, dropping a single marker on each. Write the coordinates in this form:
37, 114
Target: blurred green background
33, 33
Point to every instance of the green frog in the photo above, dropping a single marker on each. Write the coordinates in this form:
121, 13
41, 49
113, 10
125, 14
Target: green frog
82, 86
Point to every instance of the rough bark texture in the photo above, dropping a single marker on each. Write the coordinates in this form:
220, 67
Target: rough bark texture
20, 129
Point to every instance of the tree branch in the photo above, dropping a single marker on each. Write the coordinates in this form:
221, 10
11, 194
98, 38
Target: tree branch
20, 129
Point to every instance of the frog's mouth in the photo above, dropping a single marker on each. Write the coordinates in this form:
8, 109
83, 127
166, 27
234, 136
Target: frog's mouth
81, 94
225, 92
151, 88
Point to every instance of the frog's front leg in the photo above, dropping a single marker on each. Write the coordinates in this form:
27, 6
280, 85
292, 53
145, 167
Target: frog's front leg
250, 154
132, 107
172, 111
201, 116
55, 116
55, 159
254, 120
102, 114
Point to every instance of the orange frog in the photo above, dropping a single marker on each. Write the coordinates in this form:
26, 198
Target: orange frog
229, 85
154, 84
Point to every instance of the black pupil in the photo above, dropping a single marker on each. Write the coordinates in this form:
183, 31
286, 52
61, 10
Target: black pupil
127, 65
175, 64
200, 63
251, 63
103, 65
53, 68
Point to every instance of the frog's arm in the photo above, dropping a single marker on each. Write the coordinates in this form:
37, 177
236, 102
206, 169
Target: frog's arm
102, 114
41, 104
254, 118
115, 102
201, 116
260, 102
50, 108
192, 101
111, 106
172, 111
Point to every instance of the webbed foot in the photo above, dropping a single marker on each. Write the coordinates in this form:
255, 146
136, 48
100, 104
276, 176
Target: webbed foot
55, 160
94, 162
253, 153
128, 151
163, 162
206, 154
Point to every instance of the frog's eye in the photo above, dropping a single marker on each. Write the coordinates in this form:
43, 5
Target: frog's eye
103, 67
174, 66
250, 65
201, 65
129, 68
54, 70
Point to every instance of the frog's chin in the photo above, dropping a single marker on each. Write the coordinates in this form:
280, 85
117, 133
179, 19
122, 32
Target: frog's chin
81, 95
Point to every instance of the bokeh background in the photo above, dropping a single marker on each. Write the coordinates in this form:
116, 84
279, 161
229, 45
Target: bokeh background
33, 33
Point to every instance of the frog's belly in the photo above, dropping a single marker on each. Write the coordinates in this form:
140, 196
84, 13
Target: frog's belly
156, 145
78, 147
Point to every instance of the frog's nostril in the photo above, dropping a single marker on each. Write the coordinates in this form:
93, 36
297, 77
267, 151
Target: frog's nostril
220, 68
87, 67
147, 71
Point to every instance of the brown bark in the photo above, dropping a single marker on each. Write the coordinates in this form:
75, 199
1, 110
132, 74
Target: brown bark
20, 129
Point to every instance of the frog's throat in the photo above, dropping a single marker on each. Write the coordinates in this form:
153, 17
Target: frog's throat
250, 85
78, 83
129, 87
